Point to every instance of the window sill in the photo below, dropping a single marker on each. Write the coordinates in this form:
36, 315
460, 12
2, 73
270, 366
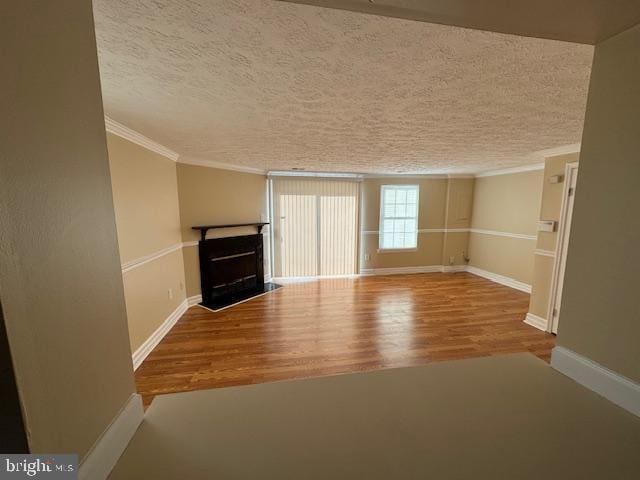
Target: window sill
397, 250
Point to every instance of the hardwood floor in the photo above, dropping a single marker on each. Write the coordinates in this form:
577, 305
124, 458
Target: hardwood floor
341, 325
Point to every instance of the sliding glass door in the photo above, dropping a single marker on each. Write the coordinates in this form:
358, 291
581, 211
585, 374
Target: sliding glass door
315, 226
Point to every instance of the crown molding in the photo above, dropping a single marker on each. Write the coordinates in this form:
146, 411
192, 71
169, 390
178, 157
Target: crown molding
507, 171
554, 152
406, 175
461, 175
295, 173
199, 162
128, 134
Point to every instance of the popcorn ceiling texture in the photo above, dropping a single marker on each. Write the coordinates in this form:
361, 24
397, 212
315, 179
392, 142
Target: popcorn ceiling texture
272, 85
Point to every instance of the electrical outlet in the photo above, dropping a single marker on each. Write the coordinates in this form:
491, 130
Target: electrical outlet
452, 260
181, 286
170, 294
367, 257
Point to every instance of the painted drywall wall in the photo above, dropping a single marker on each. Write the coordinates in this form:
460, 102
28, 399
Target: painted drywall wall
508, 204
443, 203
146, 291
210, 196
600, 317
551, 203
145, 196
60, 275
458, 211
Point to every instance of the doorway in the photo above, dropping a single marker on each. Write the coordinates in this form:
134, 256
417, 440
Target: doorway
13, 436
315, 227
562, 245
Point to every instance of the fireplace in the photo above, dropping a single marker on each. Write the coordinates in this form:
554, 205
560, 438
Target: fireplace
231, 270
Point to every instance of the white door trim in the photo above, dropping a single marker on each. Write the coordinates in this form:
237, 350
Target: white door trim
570, 170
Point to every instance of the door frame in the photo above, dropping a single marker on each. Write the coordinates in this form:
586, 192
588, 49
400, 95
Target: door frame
570, 170
275, 230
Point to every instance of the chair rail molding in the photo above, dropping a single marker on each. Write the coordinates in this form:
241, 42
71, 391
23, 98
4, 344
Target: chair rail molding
138, 262
496, 233
544, 253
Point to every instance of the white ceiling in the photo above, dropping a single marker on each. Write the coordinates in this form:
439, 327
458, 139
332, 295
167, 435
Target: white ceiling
272, 85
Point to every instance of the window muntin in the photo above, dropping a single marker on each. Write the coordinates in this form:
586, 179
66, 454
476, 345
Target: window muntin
399, 217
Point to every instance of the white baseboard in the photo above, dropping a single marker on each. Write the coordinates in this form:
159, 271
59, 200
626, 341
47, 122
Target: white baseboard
401, 270
536, 321
104, 454
196, 299
494, 277
150, 343
315, 278
453, 268
614, 387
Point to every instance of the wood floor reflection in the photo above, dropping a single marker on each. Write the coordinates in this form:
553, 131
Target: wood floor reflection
338, 326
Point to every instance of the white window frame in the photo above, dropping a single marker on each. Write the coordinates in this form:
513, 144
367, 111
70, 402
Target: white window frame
383, 188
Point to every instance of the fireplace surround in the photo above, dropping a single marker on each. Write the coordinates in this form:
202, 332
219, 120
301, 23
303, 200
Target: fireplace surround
231, 269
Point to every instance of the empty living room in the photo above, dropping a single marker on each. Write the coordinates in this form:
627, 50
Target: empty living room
320, 239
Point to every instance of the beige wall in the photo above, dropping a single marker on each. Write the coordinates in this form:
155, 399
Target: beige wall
600, 316
509, 204
444, 203
458, 211
146, 293
145, 196
210, 196
60, 275
549, 210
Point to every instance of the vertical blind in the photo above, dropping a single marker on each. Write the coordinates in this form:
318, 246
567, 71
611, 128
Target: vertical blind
315, 226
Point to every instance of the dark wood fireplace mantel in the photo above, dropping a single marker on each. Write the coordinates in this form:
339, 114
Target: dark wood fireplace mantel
205, 228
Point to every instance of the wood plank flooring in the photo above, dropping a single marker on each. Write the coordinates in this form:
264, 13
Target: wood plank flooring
338, 326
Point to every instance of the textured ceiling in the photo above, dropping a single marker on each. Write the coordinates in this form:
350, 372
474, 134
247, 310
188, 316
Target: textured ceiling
272, 85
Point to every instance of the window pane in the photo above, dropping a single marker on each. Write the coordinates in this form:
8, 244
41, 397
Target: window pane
390, 195
412, 210
410, 240
398, 240
399, 211
387, 240
409, 225
389, 210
